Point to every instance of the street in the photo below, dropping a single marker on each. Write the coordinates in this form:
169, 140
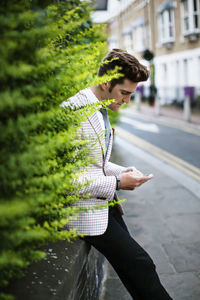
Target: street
163, 215
183, 144
175, 144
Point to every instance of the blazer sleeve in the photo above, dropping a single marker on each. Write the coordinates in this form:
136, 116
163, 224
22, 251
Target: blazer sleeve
112, 169
102, 187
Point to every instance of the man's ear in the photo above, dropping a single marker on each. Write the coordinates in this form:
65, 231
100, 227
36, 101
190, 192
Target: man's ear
105, 85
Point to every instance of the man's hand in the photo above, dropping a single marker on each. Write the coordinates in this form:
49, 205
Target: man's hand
134, 170
129, 180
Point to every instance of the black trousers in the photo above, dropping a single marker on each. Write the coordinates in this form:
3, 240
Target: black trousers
131, 262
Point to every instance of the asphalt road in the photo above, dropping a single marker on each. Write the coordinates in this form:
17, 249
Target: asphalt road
182, 144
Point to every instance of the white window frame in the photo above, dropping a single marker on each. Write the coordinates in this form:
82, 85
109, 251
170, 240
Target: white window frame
190, 16
166, 27
113, 42
128, 41
139, 38
113, 45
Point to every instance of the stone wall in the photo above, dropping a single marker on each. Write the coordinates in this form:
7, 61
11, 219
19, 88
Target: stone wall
70, 271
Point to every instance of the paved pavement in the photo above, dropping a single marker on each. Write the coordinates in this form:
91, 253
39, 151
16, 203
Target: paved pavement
163, 215
170, 114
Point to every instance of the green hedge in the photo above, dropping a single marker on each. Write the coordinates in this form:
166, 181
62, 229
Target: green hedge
49, 50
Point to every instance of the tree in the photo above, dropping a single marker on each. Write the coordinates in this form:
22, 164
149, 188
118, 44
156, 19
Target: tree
49, 51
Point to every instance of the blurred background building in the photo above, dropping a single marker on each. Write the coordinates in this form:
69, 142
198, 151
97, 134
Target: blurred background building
165, 35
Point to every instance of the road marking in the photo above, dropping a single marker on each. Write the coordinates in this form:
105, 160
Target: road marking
160, 121
165, 156
141, 125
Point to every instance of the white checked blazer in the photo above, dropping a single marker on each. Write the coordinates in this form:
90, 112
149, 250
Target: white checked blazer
101, 174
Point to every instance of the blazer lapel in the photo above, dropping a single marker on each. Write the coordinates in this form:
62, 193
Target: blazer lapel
87, 97
108, 153
94, 121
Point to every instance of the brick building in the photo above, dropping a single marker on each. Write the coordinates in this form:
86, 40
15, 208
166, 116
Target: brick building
169, 29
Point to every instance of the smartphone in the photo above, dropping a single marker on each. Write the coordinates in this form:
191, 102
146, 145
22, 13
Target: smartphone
149, 175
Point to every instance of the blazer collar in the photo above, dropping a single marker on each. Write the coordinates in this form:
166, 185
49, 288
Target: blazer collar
94, 119
90, 96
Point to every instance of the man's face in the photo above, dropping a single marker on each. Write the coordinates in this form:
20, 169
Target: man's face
121, 93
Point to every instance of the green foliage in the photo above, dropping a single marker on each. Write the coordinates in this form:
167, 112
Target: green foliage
197, 104
49, 50
113, 116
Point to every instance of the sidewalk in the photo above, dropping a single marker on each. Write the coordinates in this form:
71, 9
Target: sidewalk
164, 218
168, 115
171, 112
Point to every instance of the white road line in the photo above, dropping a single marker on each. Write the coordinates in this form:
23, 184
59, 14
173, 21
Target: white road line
151, 127
172, 123
169, 158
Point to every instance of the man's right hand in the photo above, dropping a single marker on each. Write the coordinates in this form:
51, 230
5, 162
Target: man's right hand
129, 180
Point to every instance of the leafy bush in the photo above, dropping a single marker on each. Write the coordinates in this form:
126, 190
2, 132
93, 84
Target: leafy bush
49, 51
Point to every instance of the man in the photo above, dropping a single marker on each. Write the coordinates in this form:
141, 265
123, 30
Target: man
104, 228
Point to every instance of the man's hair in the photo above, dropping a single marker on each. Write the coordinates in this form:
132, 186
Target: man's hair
130, 67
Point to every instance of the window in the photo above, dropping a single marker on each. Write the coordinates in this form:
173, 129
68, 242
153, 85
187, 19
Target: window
140, 28
140, 38
196, 14
127, 33
166, 26
128, 41
141, 3
190, 16
185, 66
112, 42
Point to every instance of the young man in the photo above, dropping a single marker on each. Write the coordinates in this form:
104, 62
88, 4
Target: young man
105, 228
